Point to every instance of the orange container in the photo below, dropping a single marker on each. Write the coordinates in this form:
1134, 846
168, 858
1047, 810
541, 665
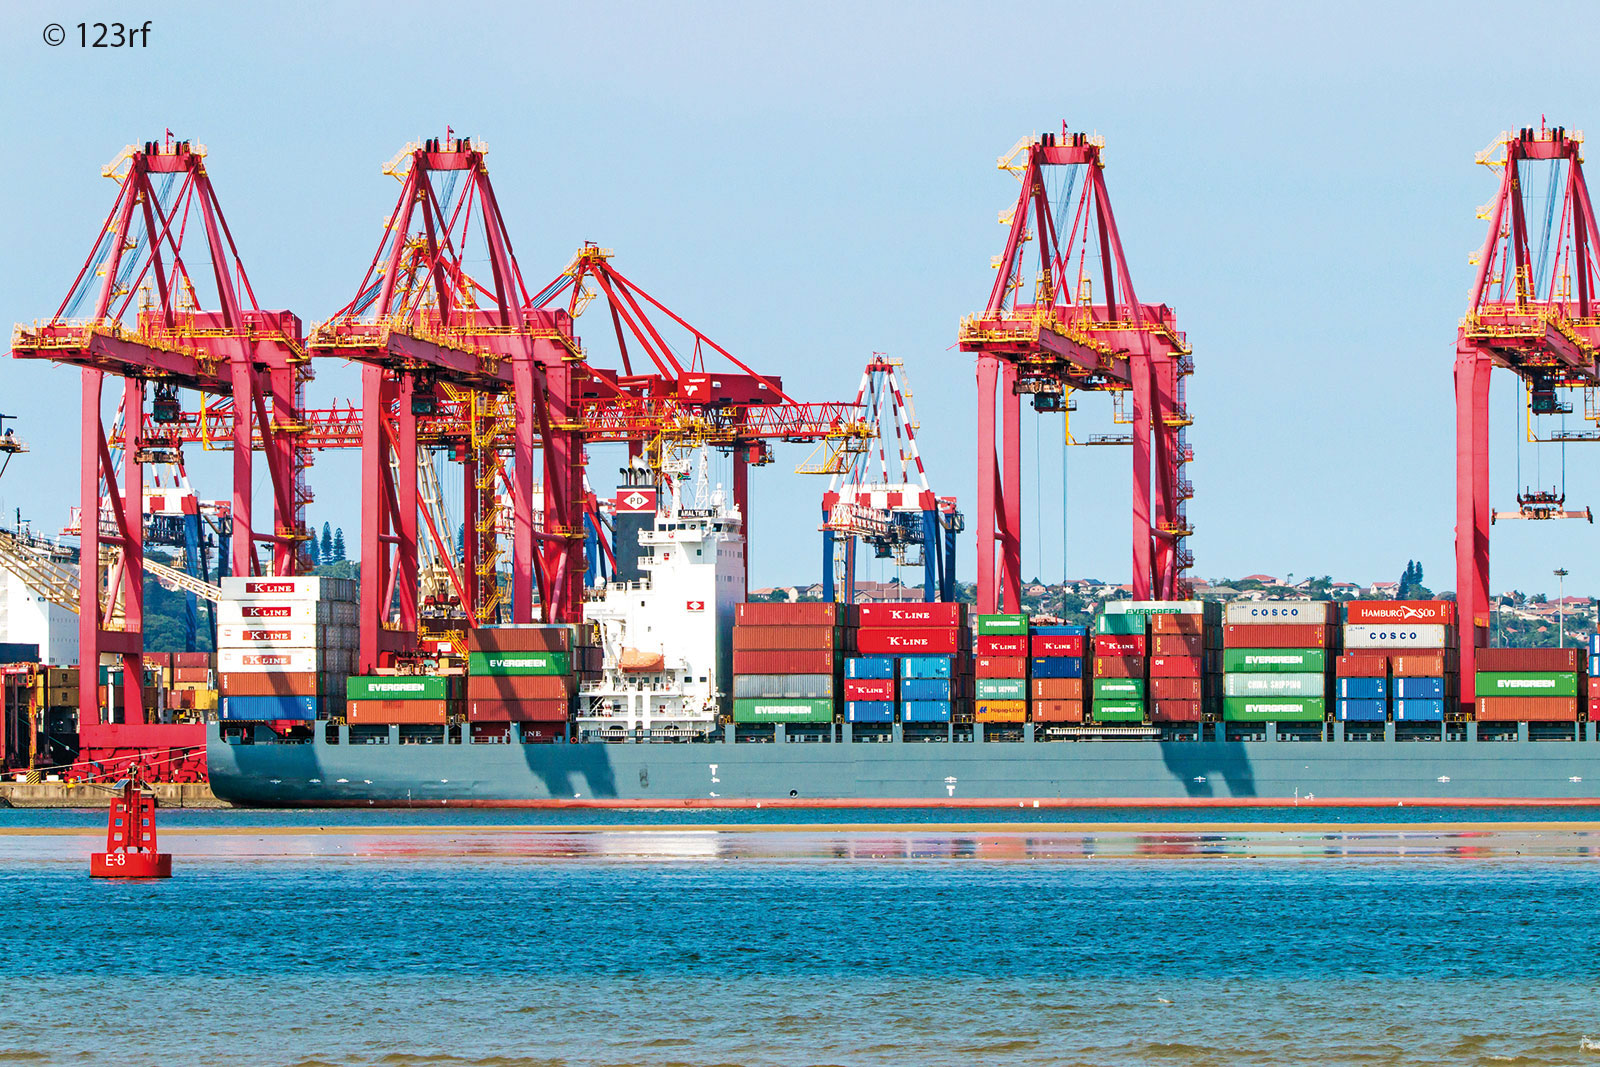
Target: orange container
395, 711
1175, 711
1056, 689
520, 686
766, 638
1002, 711
1058, 711
1179, 645
1348, 666
1188, 625
1276, 635
1527, 709
1175, 688
1001, 667
1418, 665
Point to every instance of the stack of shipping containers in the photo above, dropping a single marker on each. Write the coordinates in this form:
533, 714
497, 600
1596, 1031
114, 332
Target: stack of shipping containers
1275, 661
1593, 687
788, 661
1121, 668
1000, 669
1055, 665
285, 647
400, 699
527, 674
1184, 658
1415, 642
889, 637
1530, 684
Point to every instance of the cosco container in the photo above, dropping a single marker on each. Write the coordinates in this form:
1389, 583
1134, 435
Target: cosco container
923, 641
797, 686
916, 614
1354, 688
1002, 625
869, 667
760, 710
1056, 666
1278, 660
1362, 710
926, 666
1002, 689
1275, 685
925, 711
869, 711
1279, 611
1421, 688
1418, 710
1273, 709
1524, 684
1418, 635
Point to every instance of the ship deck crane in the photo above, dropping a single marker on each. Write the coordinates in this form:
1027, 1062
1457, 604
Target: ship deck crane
1044, 333
885, 500
1532, 311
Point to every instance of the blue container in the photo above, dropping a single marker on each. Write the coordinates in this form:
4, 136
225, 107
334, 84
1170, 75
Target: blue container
1363, 710
925, 711
261, 708
1060, 631
869, 711
1594, 666
1594, 644
1057, 666
1362, 688
876, 668
926, 666
1419, 688
1419, 710
925, 689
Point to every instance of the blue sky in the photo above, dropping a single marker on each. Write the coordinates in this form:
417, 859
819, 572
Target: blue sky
811, 183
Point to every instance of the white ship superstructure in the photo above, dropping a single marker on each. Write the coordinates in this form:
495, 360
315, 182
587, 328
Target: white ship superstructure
667, 633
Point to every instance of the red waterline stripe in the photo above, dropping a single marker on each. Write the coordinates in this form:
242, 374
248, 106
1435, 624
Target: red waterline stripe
948, 803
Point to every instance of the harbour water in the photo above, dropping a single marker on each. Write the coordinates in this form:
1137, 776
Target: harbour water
340, 938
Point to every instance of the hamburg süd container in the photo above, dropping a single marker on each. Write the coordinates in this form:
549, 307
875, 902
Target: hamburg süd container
1400, 612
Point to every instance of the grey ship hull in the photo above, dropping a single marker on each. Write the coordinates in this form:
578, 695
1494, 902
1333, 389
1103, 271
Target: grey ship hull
908, 773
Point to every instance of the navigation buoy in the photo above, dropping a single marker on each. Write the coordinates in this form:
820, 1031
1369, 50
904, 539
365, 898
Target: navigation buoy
131, 839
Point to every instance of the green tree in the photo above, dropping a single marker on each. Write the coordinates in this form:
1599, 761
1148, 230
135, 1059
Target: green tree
327, 543
338, 555
311, 549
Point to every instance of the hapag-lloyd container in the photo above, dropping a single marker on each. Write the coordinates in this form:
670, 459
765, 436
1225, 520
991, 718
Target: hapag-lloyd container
1417, 635
1400, 612
922, 641
1001, 711
902, 616
1280, 611
1277, 685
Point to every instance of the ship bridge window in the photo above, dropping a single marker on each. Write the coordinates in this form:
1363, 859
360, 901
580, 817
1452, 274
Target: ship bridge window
699, 552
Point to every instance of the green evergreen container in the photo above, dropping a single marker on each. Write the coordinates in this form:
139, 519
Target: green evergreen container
1254, 684
519, 663
1275, 660
1269, 709
1527, 684
1002, 625
1002, 689
1119, 689
1117, 711
1121, 625
390, 687
769, 709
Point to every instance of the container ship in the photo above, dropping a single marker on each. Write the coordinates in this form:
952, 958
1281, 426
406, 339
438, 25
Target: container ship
674, 692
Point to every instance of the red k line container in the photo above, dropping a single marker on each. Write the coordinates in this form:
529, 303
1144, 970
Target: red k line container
1276, 635
1531, 659
825, 613
1002, 646
1045, 645
395, 711
869, 688
517, 710
1056, 689
768, 638
1527, 709
1057, 711
1176, 688
756, 661
902, 616
1176, 666
1119, 644
1175, 711
924, 641
1188, 625
1178, 645
520, 686
1000, 667
1382, 612
1119, 667
1363, 666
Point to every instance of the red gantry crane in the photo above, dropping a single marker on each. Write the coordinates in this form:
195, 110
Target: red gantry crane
1050, 333
423, 325
1534, 312
163, 299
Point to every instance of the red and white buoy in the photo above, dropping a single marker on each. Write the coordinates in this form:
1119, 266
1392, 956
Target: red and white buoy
131, 839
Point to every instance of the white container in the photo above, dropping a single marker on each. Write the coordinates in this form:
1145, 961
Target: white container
298, 588
273, 612
1276, 685
1418, 635
1279, 611
268, 635
285, 661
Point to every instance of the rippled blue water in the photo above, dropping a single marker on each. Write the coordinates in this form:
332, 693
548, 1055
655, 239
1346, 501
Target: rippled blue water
395, 949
